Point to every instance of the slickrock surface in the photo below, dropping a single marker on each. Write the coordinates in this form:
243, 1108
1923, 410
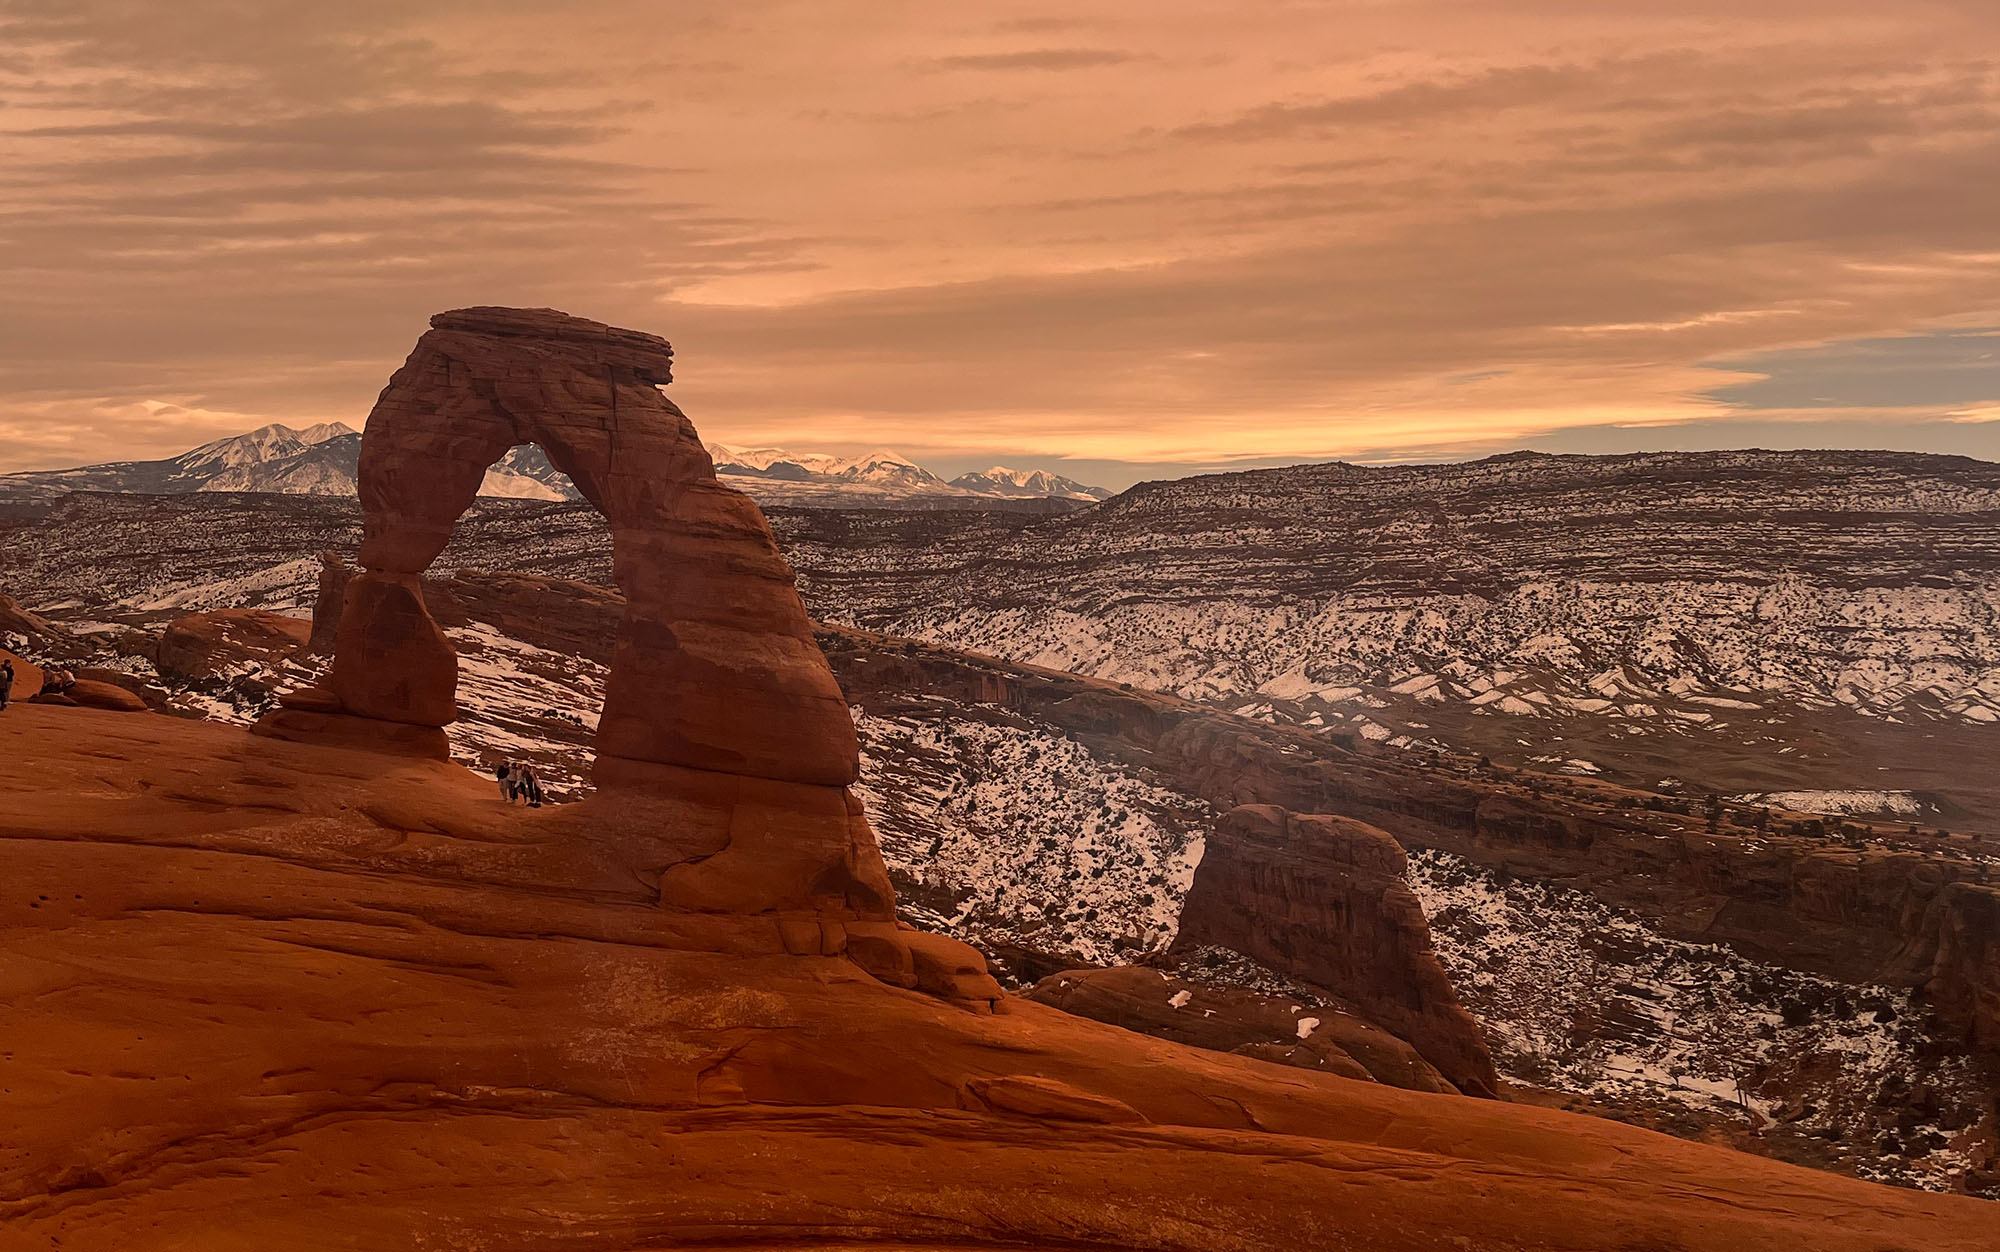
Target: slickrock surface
27, 677
264, 994
1234, 1019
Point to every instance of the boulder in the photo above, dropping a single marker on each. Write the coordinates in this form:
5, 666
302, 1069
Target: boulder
144, 644
204, 645
91, 694
153, 696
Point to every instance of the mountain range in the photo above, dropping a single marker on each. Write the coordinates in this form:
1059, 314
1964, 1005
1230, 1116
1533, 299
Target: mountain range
321, 461
890, 472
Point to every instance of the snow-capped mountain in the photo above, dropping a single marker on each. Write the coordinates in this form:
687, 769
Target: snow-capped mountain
245, 458
322, 460
1001, 481
259, 447
526, 473
884, 472
325, 467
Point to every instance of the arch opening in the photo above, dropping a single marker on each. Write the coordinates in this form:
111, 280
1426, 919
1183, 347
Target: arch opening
714, 667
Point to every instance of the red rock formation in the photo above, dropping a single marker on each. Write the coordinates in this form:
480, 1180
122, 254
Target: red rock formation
93, 694
1241, 1021
154, 697
334, 573
718, 698
715, 666
202, 645
263, 994
1324, 899
15, 620
1955, 956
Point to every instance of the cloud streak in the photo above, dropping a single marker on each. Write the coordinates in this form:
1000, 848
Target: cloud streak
1178, 235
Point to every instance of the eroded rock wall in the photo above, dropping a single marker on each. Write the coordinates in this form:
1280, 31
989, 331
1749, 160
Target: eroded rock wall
1324, 899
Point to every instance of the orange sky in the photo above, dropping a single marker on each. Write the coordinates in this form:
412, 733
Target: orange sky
1163, 234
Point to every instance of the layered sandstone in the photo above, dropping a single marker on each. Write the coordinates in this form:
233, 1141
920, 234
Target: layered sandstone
719, 703
715, 667
15, 620
1240, 1021
1325, 899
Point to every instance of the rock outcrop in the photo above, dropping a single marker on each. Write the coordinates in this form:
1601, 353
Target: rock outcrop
715, 667
93, 693
15, 620
266, 994
1955, 955
1324, 899
718, 697
1241, 1021
204, 645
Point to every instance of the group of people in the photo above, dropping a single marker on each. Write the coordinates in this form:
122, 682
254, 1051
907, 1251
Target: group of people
55, 682
518, 784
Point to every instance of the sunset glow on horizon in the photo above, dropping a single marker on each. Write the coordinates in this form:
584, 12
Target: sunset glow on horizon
1135, 239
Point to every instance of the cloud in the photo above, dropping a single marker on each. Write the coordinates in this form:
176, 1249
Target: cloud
1250, 230
1036, 59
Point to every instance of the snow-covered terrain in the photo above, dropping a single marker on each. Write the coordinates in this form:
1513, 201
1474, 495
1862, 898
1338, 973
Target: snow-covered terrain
1582, 998
1842, 803
1752, 621
1745, 623
1006, 829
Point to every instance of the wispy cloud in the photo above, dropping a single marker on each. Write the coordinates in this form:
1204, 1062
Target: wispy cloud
1194, 232
1036, 59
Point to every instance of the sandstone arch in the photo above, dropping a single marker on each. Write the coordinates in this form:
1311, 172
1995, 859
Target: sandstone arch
715, 669
725, 747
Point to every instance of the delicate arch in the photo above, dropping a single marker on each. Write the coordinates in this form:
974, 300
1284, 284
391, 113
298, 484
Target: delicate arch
715, 667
